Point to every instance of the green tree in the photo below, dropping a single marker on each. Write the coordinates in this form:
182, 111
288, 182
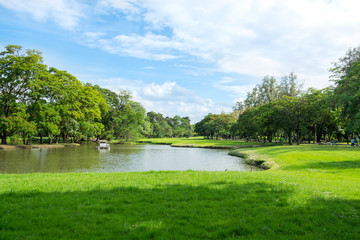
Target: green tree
160, 126
347, 94
130, 119
292, 112
289, 86
203, 127
187, 129
75, 103
18, 72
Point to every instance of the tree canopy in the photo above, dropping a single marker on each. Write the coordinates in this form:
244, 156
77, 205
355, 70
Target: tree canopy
37, 100
42, 101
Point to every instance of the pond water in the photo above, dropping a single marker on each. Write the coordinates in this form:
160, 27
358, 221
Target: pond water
120, 158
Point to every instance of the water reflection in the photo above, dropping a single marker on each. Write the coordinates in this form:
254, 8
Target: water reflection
120, 158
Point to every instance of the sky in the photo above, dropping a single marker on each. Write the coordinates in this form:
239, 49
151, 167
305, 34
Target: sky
185, 57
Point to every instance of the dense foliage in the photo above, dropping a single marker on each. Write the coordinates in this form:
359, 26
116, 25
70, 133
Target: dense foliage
285, 112
42, 101
37, 100
217, 126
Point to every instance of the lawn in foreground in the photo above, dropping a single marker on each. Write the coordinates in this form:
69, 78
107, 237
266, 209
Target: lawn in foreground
313, 194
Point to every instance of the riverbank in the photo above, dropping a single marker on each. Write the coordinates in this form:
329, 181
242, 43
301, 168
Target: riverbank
312, 193
200, 142
14, 147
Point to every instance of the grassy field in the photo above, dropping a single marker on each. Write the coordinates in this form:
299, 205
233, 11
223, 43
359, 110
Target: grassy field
313, 192
200, 142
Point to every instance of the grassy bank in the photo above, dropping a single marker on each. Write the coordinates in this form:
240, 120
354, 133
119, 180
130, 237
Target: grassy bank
313, 193
201, 142
14, 147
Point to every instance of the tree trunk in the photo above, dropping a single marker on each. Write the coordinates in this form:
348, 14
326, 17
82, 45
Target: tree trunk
3, 137
298, 137
41, 139
28, 140
289, 136
65, 138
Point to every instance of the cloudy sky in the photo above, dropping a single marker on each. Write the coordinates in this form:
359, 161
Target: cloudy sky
185, 57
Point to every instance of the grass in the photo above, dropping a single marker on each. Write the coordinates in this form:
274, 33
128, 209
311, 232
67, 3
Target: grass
200, 142
312, 193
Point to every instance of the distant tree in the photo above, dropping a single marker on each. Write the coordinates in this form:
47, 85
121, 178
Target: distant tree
160, 126
239, 107
347, 94
343, 66
187, 128
292, 112
289, 86
269, 91
248, 124
203, 128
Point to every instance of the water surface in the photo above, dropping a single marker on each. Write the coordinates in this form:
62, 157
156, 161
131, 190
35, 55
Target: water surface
120, 158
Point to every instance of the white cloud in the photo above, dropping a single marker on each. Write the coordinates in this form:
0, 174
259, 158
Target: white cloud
254, 38
236, 90
250, 63
149, 46
165, 90
65, 13
168, 98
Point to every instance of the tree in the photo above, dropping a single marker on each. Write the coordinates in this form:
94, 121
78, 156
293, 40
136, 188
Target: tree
347, 93
160, 126
343, 67
248, 124
131, 116
75, 103
268, 91
289, 86
46, 119
202, 128
346, 77
187, 129
18, 72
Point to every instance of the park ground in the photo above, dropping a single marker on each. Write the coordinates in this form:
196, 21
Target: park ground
309, 192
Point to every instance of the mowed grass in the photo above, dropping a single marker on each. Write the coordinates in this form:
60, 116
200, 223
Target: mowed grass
199, 142
313, 193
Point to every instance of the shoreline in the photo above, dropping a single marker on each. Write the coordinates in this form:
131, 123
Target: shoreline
36, 146
250, 160
254, 160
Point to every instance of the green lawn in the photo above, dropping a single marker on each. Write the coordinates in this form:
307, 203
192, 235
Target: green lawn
199, 142
312, 192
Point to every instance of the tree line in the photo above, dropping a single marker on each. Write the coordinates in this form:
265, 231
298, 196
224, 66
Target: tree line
283, 111
37, 100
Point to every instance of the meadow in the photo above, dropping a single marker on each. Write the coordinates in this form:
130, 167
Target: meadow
201, 142
310, 192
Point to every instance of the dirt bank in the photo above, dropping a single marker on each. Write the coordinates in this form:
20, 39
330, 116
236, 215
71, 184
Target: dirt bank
14, 147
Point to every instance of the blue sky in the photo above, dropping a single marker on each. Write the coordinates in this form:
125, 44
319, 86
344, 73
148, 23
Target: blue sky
185, 57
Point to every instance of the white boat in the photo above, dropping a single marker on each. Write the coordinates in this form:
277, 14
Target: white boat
103, 145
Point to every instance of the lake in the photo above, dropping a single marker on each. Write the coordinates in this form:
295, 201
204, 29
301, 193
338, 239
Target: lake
120, 158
